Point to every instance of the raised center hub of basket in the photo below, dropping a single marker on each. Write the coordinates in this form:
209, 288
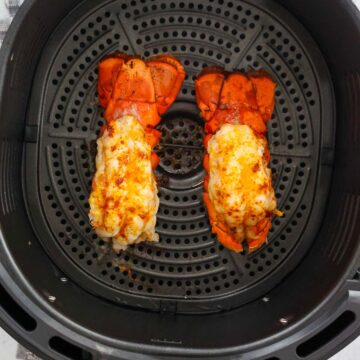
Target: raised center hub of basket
181, 147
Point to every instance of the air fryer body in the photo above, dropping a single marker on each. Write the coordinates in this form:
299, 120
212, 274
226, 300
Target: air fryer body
63, 294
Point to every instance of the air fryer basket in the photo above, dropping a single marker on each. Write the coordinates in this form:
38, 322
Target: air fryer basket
189, 270
65, 294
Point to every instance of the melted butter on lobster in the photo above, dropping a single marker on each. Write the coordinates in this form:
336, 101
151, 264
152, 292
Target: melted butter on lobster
238, 190
134, 93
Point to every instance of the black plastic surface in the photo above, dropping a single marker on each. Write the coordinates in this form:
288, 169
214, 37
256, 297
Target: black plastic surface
188, 266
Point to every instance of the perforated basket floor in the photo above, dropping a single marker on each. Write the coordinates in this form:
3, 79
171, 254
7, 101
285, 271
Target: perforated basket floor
188, 271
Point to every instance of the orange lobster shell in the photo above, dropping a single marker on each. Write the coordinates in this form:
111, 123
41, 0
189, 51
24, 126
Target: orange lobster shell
235, 98
151, 88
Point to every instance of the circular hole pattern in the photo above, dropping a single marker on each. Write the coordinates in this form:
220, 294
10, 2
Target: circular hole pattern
181, 146
186, 248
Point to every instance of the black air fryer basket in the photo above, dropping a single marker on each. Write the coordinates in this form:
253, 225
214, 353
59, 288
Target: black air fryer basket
65, 295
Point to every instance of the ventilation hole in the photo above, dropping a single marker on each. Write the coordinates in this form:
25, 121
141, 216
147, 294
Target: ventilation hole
15, 311
326, 335
68, 349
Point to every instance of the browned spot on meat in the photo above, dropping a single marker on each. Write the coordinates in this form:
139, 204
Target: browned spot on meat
119, 181
110, 130
256, 167
264, 186
144, 216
